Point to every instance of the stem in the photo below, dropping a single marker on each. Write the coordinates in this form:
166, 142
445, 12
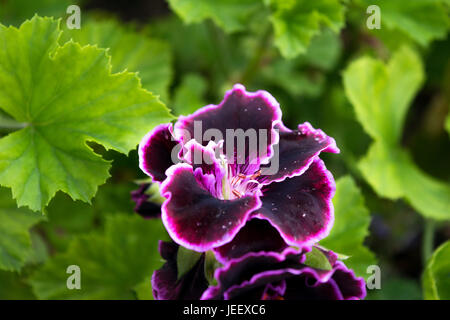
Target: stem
255, 61
427, 240
10, 124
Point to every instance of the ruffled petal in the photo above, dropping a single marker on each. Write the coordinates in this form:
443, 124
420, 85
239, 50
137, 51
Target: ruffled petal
206, 166
241, 270
196, 219
295, 152
300, 207
166, 285
282, 276
239, 110
156, 150
350, 286
257, 235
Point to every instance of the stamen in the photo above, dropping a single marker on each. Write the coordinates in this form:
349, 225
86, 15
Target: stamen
256, 174
237, 193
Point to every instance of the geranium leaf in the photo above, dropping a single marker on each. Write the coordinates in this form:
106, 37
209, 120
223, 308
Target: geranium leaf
436, 277
393, 174
230, 15
317, 259
15, 240
381, 95
65, 96
296, 22
422, 20
351, 226
130, 50
111, 264
186, 260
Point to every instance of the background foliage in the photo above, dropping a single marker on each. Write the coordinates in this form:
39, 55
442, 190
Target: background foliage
67, 165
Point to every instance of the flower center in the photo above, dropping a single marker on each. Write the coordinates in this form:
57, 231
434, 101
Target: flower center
236, 184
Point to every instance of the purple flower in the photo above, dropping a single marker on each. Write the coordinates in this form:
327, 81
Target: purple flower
144, 207
284, 276
165, 282
210, 200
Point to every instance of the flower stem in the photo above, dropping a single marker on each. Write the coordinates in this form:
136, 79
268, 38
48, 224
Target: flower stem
427, 240
11, 124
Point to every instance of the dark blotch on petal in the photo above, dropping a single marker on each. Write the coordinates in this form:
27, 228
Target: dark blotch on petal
297, 149
242, 270
196, 219
239, 110
300, 207
257, 235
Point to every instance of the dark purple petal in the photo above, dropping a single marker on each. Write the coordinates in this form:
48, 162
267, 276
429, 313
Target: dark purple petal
239, 110
283, 276
206, 167
300, 207
297, 150
165, 284
196, 219
351, 287
155, 152
242, 270
257, 235
144, 207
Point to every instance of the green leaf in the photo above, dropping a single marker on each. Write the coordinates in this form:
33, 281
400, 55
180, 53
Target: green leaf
230, 15
65, 96
211, 264
422, 20
15, 241
436, 277
112, 262
393, 174
131, 51
13, 287
317, 259
186, 259
189, 94
16, 11
351, 224
296, 22
144, 290
381, 95
396, 288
